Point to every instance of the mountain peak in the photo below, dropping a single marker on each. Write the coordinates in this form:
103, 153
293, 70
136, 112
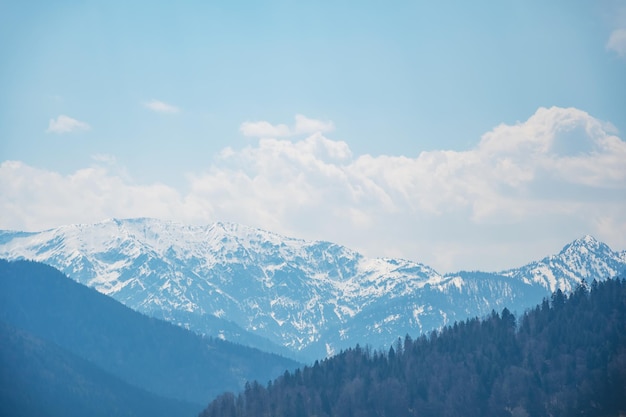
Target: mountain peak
588, 240
587, 243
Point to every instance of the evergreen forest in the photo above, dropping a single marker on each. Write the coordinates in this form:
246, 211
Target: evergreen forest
565, 357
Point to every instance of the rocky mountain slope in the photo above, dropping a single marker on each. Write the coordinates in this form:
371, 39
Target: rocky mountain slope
274, 292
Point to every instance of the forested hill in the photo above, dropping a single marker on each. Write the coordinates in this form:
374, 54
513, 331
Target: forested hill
153, 355
565, 357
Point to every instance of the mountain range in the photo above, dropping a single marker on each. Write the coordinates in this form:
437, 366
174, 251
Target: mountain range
306, 299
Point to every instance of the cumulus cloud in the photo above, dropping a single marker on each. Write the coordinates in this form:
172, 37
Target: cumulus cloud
161, 107
35, 199
617, 42
521, 192
66, 124
302, 126
264, 129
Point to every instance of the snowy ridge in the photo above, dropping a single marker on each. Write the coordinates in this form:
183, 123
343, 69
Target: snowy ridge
584, 258
254, 286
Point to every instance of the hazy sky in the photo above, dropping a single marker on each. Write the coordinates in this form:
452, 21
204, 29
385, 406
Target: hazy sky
474, 135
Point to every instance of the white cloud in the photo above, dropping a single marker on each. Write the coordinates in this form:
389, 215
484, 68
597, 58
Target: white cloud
522, 192
303, 126
66, 124
264, 129
161, 107
617, 42
35, 199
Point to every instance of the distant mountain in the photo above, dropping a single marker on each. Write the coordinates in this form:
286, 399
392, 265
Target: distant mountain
565, 357
147, 353
266, 290
38, 378
584, 258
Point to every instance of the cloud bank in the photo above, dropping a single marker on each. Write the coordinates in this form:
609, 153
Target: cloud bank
523, 191
66, 124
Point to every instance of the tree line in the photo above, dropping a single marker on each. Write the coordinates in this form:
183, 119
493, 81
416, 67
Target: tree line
566, 356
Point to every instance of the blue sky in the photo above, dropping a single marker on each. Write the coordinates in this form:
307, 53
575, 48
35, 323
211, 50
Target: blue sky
390, 128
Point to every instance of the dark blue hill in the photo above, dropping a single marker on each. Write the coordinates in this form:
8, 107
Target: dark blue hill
151, 354
38, 378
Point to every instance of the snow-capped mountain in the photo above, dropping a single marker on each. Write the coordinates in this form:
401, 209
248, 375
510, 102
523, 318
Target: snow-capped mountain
270, 291
583, 258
